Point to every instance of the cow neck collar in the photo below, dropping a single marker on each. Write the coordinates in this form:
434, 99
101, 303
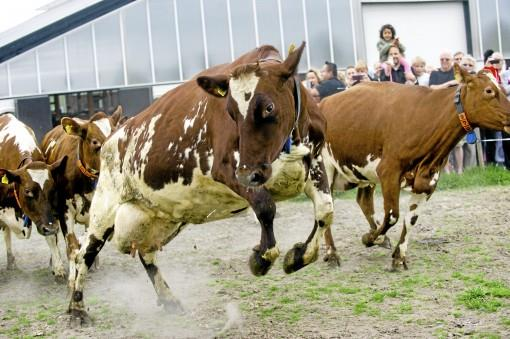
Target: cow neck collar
16, 196
91, 174
464, 122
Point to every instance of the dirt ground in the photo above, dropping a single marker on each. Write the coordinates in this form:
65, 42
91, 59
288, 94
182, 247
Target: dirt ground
458, 283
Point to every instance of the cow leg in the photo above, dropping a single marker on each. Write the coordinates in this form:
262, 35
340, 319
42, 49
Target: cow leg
100, 229
8, 246
317, 189
399, 254
266, 252
56, 260
365, 200
165, 296
391, 192
72, 244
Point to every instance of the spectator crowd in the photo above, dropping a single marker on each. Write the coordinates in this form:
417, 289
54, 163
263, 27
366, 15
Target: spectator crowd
393, 66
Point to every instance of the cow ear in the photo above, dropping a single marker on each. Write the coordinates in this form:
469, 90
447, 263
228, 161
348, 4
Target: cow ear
461, 75
116, 115
58, 167
8, 177
216, 85
290, 65
74, 127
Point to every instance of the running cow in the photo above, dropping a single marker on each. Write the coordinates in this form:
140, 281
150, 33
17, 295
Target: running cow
203, 154
400, 137
28, 189
80, 141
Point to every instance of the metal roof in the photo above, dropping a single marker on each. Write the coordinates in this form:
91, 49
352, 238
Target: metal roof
60, 17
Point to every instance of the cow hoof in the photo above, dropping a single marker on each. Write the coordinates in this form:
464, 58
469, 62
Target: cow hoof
258, 265
332, 259
171, 306
385, 243
78, 318
398, 259
294, 260
11, 265
367, 239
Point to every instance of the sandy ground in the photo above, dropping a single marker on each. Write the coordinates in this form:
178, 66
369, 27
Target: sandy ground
459, 244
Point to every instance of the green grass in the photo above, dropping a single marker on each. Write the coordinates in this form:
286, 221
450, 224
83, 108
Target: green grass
482, 294
472, 177
475, 177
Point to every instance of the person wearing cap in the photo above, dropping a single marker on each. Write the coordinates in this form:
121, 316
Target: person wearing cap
330, 83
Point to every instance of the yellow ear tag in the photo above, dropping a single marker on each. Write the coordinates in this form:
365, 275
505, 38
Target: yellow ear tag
5, 180
292, 47
68, 129
221, 91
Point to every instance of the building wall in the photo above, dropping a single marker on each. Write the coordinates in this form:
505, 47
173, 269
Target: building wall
150, 42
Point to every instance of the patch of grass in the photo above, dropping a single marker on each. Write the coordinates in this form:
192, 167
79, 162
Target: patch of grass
475, 177
405, 308
505, 321
478, 298
487, 335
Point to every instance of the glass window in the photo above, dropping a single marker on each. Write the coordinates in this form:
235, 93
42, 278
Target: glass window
294, 28
4, 85
81, 59
192, 43
216, 23
52, 66
504, 20
24, 74
489, 26
318, 32
136, 40
243, 26
109, 51
341, 26
164, 41
268, 23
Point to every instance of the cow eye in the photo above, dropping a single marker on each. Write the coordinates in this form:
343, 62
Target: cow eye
29, 193
270, 108
489, 91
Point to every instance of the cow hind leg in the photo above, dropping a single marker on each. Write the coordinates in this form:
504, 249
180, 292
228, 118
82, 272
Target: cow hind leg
365, 200
8, 246
303, 254
165, 296
57, 265
400, 252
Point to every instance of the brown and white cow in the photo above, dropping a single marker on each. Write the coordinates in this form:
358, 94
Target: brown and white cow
81, 141
400, 137
192, 157
28, 188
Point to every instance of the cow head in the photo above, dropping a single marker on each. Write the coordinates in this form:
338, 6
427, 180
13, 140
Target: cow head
34, 186
92, 134
260, 99
484, 102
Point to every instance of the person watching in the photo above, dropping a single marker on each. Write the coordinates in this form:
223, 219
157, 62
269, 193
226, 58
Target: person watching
330, 83
396, 68
443, 77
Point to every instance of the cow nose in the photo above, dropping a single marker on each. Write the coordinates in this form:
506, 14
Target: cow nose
253, 177
48, 229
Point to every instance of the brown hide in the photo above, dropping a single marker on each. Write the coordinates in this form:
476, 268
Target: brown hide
19, 157
76, 136
410, 130
214, 130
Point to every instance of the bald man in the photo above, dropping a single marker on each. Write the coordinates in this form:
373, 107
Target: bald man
443, 77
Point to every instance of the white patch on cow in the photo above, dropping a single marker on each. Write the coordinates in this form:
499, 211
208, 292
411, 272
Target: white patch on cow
414, 199
170, 145
288, 178
52, 144
23, 136
188, 123
104, 126
434, 180
148, 141
369, 171
8, 218
237, 158
242, 86
187, 151
40, 176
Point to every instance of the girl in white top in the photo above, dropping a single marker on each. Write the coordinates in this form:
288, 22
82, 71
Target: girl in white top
419, 69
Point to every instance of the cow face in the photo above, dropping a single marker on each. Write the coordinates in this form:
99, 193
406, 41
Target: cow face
259, 97
92, 134
35, 187
484, 102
